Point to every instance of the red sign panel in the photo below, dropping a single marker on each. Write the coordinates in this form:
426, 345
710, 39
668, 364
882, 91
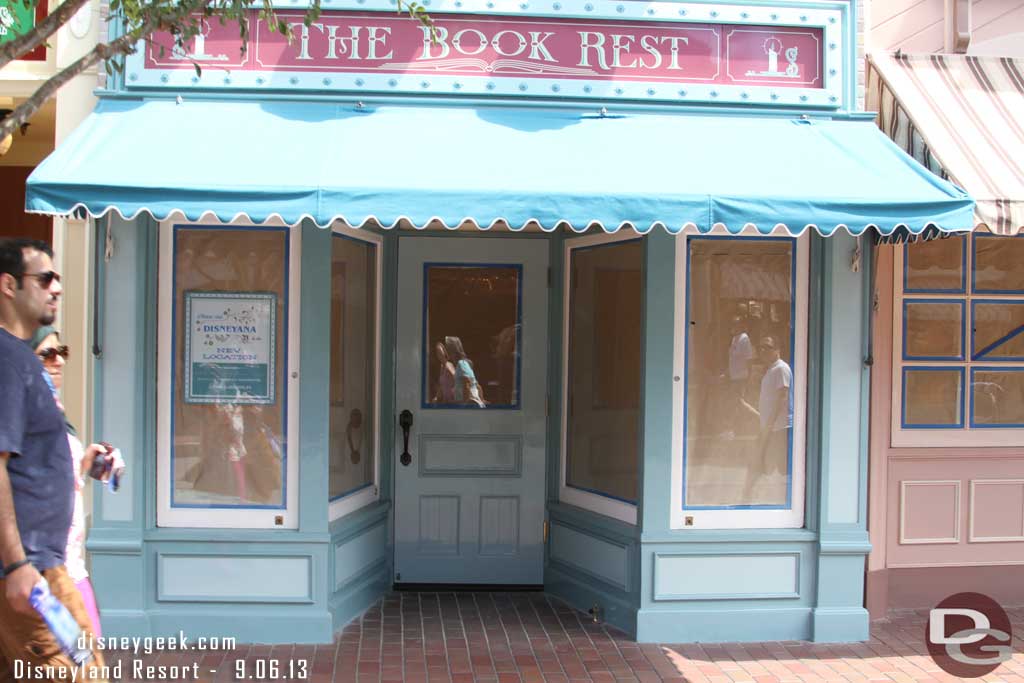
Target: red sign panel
495, 46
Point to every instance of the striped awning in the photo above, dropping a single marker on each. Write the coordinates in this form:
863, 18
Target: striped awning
963, 118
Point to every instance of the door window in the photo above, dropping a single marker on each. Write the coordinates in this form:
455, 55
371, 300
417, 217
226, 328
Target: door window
471, 336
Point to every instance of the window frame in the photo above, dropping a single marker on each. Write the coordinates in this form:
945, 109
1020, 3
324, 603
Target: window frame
753, 517
588, 500
967, 433
212, 516
367, 494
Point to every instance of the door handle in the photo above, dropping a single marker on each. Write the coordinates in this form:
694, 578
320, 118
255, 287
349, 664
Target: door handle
405, 422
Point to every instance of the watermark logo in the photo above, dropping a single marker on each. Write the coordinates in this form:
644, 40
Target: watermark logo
969, 635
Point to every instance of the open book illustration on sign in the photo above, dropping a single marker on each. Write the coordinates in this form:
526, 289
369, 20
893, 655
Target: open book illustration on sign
198, 53
773, 48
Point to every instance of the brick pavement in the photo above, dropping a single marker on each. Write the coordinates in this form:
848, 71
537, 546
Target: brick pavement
504, 637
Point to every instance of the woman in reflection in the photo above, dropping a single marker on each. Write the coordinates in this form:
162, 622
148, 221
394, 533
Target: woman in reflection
467, 389
445, 392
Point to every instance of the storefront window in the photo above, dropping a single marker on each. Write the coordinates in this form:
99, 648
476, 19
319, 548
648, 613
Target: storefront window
740, 308
471, 336
353, 353
229, 395
961, 356
604, 369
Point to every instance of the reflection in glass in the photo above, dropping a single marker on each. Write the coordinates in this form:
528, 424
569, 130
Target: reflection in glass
932, 397
933, 329
228, 439
935, 265
997, 397
353, 360
997, 263
472, 337
604, 368
998, 330
739, 377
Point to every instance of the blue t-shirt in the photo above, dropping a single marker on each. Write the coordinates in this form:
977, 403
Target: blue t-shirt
32, 430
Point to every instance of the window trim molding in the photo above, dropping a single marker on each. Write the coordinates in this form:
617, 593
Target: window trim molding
973, 284
968, 434
367, 494
909, 300
583, 498
964, 284
959, 369
791, 517
212, 517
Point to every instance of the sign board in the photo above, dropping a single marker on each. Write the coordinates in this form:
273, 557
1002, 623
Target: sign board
16, 19
788, 57
230, 347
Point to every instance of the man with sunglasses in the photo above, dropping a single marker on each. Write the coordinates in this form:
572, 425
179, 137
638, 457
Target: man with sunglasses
36, 476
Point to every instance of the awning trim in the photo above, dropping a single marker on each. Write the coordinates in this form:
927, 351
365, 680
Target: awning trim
488, 167
79, 210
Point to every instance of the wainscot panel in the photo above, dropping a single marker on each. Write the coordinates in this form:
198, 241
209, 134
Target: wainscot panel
356, 555
234, 578
592, 555
593, 564
743, 625
360, 568
734, 576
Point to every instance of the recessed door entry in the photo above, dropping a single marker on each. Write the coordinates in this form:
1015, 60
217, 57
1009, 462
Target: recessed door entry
470, 385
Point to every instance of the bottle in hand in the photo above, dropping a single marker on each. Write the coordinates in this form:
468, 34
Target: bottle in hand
62, 625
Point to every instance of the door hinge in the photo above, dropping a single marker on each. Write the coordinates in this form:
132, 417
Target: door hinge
546, 532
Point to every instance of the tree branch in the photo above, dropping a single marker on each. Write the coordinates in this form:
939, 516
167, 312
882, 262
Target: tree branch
37, 36
121, 46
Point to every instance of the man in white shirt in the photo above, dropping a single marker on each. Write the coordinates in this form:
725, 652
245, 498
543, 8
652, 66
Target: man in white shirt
775, 406
741, 352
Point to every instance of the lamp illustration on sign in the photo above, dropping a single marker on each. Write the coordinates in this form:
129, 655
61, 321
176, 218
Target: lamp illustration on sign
773, 48
198, 53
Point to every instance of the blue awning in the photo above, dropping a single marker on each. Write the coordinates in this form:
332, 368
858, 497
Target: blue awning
489, 165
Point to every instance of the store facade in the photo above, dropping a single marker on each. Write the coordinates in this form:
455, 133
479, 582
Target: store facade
574, 297
947, 443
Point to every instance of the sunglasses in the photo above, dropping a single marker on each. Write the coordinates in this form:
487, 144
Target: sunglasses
45, 278
51, 353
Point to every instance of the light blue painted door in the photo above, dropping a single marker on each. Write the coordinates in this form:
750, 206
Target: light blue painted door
472, 371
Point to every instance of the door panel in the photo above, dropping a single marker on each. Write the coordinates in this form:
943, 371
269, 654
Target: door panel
472, 368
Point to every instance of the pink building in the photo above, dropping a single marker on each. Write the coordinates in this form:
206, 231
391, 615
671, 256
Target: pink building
946, 502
